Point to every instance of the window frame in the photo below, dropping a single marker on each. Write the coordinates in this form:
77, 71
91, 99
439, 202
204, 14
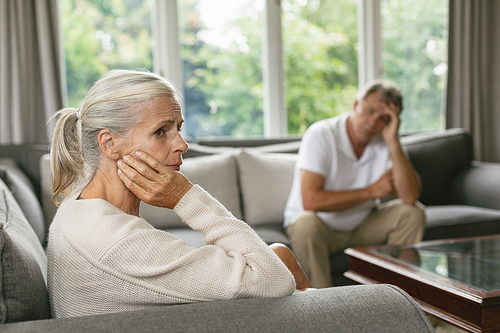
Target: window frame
167, 60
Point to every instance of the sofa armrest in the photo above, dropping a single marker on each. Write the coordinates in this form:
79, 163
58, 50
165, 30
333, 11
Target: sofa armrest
373, 308
477, 185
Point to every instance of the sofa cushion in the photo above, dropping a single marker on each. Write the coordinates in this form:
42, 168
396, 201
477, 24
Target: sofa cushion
266, 180
23, 265
13, 166
49, 207
192, 237
22, 189
438, 157
272, 233
217, 174
453, 221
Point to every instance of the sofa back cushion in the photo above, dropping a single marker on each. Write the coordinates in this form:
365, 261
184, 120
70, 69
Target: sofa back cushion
265, 180
217, 174
438, 157
23, 265
22, 189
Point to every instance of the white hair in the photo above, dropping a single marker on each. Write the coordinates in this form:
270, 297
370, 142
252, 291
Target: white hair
114, 103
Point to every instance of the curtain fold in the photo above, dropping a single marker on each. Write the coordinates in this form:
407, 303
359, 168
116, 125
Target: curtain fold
31, 84
470, 54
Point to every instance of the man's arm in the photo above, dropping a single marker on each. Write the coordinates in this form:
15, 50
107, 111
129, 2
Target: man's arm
315, 198
406, 180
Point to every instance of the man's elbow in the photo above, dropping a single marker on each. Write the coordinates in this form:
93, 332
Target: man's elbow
410, 199
309, 204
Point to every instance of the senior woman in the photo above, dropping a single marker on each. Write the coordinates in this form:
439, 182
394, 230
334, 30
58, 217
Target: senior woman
123, 146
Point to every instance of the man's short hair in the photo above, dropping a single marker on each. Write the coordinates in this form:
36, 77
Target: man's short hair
390, 92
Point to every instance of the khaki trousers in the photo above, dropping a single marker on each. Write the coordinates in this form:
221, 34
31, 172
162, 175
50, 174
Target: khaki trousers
312, 241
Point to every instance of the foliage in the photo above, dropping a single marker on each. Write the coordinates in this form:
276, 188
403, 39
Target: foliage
103, 35
229, 76
319, 39
414, 57
223, 85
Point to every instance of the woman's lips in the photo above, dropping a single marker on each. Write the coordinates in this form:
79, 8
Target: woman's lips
176, 167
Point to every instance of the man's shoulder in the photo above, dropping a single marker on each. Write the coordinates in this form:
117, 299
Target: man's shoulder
329, 125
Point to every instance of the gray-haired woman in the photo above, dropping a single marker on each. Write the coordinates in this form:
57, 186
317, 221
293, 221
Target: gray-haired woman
123, 146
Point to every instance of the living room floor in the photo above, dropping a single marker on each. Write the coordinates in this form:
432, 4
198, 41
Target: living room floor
443, 327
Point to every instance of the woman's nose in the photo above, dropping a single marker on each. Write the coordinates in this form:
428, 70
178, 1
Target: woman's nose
180, 145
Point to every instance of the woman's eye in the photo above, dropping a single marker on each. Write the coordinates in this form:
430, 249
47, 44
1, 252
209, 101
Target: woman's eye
160, 132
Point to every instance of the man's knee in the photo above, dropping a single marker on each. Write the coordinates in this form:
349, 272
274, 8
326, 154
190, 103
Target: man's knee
281, 250
415, 213
412, 218
306, 226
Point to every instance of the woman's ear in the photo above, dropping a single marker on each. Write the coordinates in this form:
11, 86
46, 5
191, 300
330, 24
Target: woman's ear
109, 144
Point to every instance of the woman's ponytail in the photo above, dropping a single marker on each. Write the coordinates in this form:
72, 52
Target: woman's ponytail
66, 161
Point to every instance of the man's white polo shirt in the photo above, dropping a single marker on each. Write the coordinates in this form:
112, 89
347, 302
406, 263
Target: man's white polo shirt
327, 150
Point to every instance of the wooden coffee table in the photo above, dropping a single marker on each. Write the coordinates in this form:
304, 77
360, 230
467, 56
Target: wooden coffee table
457, 280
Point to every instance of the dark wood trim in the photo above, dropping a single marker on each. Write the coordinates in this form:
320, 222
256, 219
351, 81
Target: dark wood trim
462, 305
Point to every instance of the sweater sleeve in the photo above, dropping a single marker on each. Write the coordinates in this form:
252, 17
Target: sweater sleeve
236, 263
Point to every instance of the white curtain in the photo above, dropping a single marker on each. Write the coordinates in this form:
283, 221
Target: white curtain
473, 92
31, 84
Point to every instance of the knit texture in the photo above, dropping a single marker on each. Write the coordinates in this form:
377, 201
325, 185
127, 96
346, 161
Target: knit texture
102, 260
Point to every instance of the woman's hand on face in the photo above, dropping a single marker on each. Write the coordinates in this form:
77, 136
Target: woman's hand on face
151, 181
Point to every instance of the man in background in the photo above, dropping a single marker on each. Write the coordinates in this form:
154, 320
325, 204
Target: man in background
346, 164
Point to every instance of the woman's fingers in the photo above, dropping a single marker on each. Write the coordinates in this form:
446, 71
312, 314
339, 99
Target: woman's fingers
145, 165
139, 191
151, 181
151, 161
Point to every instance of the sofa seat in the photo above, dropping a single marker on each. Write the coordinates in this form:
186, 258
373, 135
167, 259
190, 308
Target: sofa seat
443, 222
270, 234
456, 221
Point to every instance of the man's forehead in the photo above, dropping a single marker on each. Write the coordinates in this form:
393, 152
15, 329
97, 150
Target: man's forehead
372, 101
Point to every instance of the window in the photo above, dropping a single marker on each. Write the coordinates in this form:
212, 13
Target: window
103, 35
222, 58
320, 59
221, 55
414, 41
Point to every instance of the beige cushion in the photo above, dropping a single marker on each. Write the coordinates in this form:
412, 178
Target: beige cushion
217, 174
265, 180
49, 208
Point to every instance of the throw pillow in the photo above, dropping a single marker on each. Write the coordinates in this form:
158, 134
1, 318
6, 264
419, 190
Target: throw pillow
23, 265
266, 180
22, 189
216, 174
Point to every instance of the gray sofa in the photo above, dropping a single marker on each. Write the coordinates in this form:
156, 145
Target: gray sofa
462, 196
24, 303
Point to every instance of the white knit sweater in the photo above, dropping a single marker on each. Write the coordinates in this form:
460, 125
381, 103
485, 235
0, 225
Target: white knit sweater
102, 260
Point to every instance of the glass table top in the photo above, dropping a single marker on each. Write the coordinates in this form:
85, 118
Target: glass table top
473, 262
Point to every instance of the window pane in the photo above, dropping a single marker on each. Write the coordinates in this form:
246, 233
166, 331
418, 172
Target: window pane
103, 35
414, 37
320, 58
221, 44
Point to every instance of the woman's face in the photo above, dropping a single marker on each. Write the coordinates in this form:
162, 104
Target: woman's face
158, 132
